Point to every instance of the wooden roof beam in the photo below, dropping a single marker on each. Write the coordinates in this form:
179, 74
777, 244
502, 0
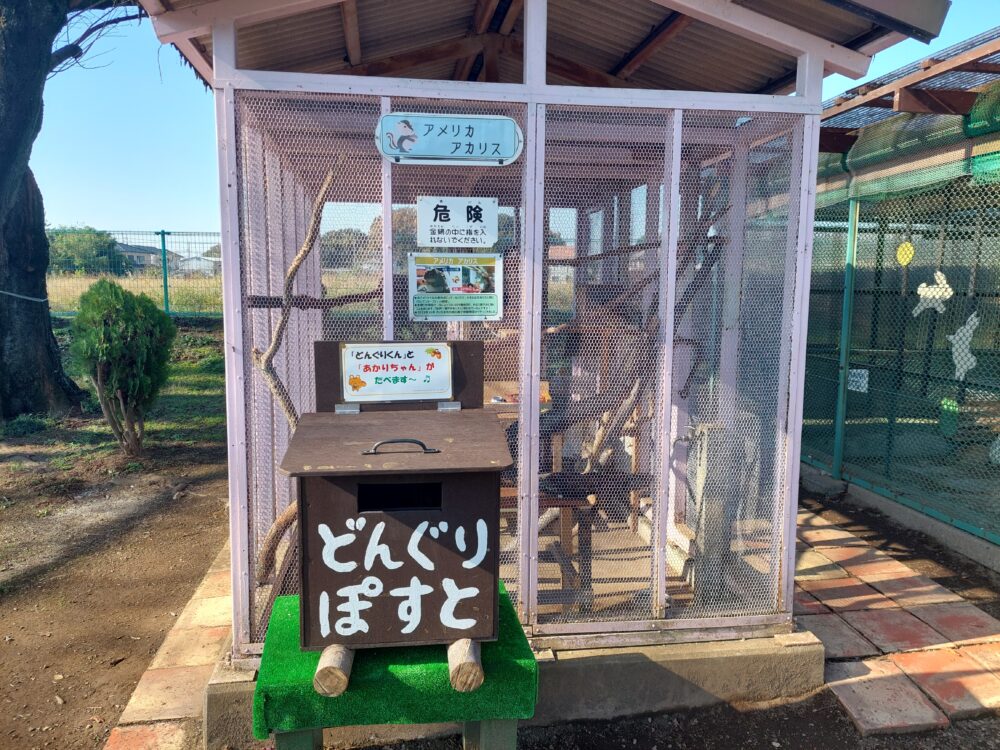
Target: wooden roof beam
836, 140
571, 70
510, 19
945, 66
980, 67
934, 101
481, 18
670, 27
453, 49
777, 35
352, 35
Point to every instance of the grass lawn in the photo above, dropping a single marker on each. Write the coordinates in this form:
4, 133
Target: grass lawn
58, 458
188, 294
99, 551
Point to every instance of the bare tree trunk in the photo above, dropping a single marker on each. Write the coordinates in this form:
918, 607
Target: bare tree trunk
31, 375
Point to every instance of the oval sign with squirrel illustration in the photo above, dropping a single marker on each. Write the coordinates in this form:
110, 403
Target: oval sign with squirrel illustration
483, 140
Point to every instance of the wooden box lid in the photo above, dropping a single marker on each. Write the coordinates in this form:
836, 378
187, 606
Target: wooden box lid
330, 444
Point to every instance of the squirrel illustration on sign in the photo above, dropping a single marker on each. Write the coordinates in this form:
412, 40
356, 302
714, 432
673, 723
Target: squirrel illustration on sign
402, 137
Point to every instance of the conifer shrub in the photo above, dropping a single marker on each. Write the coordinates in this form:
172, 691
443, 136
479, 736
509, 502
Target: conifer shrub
121, 342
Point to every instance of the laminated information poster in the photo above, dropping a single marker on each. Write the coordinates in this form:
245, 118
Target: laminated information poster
463, 286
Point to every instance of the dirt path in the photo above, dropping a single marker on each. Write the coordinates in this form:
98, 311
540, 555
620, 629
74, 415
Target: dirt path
75, 641
99, 553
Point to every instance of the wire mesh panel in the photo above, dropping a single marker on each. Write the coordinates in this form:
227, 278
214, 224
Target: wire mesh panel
923, 394
310, 191
733, 330
826, 293
601, 445
502, 387
311, 199
599, 450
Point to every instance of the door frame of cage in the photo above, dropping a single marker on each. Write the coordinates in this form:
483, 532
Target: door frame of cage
535, 93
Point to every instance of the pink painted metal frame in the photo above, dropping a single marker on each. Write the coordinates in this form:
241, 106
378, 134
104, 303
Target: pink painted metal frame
536, 93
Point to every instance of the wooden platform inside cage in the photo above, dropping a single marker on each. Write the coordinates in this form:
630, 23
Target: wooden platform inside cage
621, 564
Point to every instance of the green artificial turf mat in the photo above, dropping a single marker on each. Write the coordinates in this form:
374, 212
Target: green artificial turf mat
403, 685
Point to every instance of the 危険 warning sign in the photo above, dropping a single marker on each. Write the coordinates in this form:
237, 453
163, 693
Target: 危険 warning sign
456, 222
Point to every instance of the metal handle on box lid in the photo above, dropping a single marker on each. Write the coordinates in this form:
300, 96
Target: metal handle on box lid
412, 441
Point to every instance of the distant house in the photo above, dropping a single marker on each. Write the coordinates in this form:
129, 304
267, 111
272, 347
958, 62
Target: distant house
146, 256
199, 265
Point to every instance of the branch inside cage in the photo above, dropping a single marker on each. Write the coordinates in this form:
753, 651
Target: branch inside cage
264, 361
307, 302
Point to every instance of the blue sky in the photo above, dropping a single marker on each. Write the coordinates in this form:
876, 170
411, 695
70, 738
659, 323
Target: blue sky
129, 143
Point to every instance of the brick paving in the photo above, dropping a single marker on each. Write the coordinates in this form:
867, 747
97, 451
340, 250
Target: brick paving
166, 706
940, 654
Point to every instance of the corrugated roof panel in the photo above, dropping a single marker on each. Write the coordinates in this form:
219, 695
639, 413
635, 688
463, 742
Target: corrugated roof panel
595, 34
682, 64
293, 43
600, 34
438, 70
815, 16
389, 27
861, 116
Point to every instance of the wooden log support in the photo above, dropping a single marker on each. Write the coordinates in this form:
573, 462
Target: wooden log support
465, 666
333, 671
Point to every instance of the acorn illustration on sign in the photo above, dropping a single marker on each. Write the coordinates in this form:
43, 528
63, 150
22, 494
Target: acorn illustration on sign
436, 353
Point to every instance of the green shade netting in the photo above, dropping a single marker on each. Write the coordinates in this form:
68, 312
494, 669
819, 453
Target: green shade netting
986, 169
405, 685
876, 187
984, 117
901, 136
830, 165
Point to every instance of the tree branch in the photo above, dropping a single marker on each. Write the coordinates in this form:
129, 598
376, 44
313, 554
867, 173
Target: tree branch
74, 50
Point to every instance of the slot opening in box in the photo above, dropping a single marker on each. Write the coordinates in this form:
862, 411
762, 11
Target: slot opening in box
388, 497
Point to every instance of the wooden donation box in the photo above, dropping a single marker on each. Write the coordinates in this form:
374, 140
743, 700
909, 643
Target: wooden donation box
399, 501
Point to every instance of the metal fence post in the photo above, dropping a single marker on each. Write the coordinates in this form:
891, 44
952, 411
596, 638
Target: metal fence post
163, 262
844, 360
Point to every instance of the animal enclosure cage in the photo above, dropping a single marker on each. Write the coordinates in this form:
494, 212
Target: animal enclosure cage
645, 366
907, 244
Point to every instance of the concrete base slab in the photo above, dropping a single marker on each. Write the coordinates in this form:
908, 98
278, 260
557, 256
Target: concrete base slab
816, 482
959, 684
840, 640
806, 604
894, 629
881, 700
810, 565
584, 684
161, 735
960, 622
845, 594
980, 550
912, 590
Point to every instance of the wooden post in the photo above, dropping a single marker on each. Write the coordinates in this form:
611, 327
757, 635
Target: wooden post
495, 734
333, 671
465, 668
306, 739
